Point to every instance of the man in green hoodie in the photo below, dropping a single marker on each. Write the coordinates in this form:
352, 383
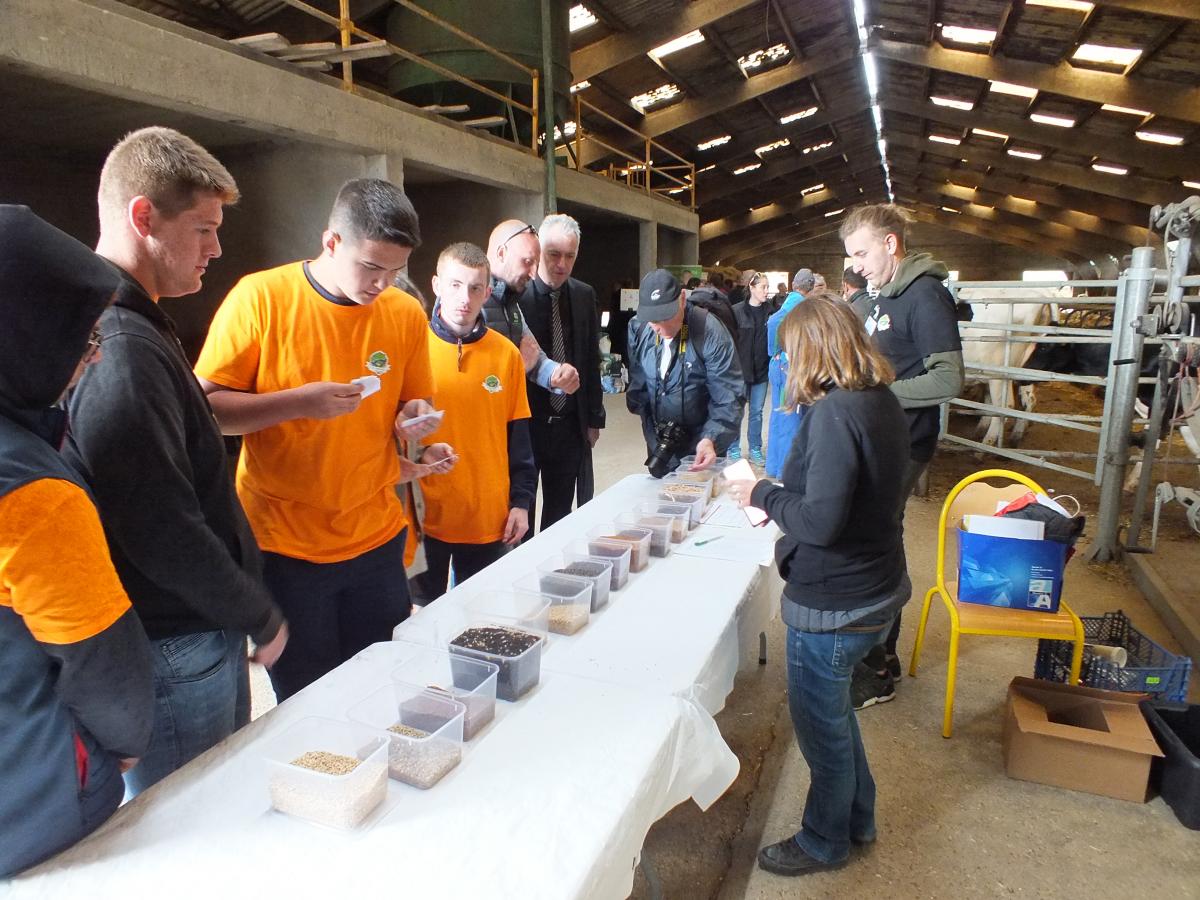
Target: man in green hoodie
914, 324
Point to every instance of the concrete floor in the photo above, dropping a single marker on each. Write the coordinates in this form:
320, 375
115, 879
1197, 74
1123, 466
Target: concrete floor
951, 824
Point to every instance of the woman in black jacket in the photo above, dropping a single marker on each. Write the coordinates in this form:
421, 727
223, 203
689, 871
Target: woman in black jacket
842, 559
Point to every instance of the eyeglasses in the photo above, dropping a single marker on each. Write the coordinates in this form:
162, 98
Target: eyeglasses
528, 229
93, 344
756, 278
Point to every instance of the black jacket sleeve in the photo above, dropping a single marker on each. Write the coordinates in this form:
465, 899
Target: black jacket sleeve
594, 398
819, 515
128, 428
105, 681
522, 473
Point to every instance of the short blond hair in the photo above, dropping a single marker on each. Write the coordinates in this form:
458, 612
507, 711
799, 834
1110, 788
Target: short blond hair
882, 218
467, 254
165, 166
826, 344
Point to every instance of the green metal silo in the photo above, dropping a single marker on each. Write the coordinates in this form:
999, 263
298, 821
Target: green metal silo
510, 26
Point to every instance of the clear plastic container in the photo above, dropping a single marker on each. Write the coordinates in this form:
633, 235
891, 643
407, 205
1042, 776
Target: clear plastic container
677, 514
659, 527
615, 554
509, 629
424, 727
570, 599
636, 539
692, 494
472, 682
717, 466
699, 480
341, 800
597, 572
694, 503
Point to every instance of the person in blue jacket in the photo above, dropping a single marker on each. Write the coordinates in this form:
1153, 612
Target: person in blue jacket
782, 426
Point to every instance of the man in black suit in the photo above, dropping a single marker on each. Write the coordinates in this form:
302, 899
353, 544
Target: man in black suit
562, 314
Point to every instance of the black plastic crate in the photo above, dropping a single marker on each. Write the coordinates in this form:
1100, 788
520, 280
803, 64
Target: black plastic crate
1150, 668
1176, 775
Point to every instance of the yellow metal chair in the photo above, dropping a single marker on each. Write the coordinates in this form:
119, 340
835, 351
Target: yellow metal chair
972, 496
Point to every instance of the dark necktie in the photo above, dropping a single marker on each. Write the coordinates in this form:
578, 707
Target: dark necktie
558, 347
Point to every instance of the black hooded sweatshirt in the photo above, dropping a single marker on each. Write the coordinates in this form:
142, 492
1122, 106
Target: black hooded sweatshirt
68, 707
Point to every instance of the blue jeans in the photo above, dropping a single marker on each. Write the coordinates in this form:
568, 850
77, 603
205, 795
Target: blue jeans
841, 792
756, 397
201, 697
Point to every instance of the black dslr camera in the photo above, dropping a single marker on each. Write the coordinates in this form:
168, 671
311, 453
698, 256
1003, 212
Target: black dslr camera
670, 439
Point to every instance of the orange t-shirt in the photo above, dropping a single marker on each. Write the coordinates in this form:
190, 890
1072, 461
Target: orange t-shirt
322, 490
55, 570
481, 395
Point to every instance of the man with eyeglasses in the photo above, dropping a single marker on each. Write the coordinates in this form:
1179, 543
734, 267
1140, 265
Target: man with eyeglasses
562, 313
751, 340
513, 254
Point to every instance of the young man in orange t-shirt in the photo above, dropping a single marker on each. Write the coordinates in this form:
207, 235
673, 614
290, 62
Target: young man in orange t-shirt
473, 512
321, 365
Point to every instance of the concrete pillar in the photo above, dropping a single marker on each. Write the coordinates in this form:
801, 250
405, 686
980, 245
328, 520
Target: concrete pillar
388, 166
647, 247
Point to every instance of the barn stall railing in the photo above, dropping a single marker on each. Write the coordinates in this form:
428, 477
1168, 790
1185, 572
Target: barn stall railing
1137, 314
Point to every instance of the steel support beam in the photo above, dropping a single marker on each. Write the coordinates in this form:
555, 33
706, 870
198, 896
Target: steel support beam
1181, 103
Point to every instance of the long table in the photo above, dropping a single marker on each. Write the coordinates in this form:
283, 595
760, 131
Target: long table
553, 799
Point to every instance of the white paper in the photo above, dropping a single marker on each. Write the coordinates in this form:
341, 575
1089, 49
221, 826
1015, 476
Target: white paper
726, 515
728, 547
370, 384
741, 471
1005, 526
435, 416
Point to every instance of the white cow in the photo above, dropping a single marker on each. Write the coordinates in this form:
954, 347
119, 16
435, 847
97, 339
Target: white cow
993, 353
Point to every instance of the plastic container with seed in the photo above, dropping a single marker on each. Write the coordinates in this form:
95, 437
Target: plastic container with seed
616, 555
329, 772
681, 479
471, 682
508, 629
424, 728
659, 527
676, 513
692, 496
579, 565
636, 539
570, 598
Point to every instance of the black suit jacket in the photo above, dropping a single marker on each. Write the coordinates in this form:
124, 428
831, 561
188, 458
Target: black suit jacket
583, 351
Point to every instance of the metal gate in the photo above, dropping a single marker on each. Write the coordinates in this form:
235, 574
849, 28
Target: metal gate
1148, 306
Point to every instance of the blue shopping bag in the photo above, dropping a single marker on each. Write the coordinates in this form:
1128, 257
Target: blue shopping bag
1010, 572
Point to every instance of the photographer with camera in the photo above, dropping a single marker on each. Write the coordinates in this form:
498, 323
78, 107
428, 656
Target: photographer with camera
685, 380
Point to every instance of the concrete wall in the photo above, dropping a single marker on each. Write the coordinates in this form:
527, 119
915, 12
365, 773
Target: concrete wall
462, 211
608, 254
60, 190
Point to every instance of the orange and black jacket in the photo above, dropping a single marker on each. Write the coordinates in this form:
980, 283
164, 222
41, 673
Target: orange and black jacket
75, 671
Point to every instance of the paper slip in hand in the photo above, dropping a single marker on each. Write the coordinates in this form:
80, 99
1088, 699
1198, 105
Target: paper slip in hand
370, 384
741, 471
436, 416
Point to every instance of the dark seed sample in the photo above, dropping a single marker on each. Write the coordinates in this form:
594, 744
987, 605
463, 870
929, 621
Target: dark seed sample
496, 639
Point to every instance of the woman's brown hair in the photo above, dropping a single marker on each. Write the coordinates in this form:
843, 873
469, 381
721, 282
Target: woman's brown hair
826, 344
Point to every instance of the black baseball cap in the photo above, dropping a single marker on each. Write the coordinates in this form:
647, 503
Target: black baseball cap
658, 297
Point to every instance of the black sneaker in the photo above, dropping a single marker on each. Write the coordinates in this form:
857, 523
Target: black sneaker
867, 687
786, 858
893, 665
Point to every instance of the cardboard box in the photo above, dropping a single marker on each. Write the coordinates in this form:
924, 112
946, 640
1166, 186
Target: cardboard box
1001, 571
1078, 738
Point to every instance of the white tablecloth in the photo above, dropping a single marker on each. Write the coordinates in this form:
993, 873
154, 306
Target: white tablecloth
552, 800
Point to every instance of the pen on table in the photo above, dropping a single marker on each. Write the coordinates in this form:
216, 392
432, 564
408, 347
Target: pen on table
709, 540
